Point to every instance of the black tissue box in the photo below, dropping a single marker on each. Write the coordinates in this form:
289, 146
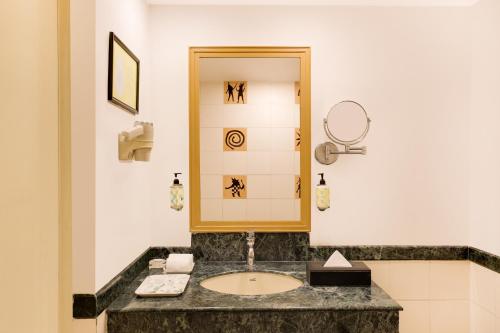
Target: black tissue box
357, 275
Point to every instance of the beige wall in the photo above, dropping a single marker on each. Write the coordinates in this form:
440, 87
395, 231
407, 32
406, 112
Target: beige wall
484, 134
29, 166
409, 67
111, 199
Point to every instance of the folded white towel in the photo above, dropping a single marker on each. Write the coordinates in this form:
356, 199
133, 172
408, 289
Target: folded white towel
337, 260
180, 263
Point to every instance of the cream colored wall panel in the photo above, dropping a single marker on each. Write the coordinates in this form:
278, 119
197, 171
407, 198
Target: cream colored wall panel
297, 209
234, 210
259, 93
84, 326
481, 320
483, 282
211, 163
211, 116
259, 186
415, 318
258, 209
380, 272
282, 209
211, 93
409, 280
235, 163
497, 295
450, 316
449, 280
296, 163
259, 163
211, 186
282, 139
260, 116
283, 93
282, 162
211, 139
211, 209
283, 115
282, 186
259, 138
102, 320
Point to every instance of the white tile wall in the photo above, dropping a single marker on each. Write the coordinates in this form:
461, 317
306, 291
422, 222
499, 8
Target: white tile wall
211, 162
258, 209
234, 210
416, 317
259, 163
259, 186
449, 316
282, 139
435, 295
282, 209
449, 280
235, 163
258, 138
485, 300
270, 161
282, 162
409, 280
211, 209
211, 139
211, 186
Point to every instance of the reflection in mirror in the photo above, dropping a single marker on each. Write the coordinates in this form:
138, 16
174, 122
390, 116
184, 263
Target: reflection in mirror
249, 127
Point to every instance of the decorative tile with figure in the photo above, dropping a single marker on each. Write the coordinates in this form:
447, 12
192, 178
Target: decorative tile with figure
297, 187
297, 139
235, 139
235, 92
297, 92
234, 187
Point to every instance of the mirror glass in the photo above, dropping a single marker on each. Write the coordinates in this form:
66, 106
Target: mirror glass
347, 121
249, 139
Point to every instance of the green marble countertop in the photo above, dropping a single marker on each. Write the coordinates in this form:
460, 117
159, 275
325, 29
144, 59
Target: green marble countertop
304, 298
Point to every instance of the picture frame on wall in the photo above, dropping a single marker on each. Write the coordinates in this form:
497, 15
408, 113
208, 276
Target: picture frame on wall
123, 75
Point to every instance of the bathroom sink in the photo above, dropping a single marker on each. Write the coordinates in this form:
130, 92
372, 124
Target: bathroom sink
251, 283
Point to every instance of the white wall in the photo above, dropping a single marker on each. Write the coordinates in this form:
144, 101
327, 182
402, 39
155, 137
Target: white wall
111, 199
123, 203
408, 67
485, 134
29, 194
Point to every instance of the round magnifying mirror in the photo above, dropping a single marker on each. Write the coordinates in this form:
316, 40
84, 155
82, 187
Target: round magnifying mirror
347, 123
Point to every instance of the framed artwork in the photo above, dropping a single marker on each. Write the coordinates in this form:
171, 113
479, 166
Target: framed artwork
123, 75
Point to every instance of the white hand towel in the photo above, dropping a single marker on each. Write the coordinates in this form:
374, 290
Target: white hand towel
180, 263
337, 260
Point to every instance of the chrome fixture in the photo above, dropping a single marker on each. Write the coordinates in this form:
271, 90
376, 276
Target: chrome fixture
251, 253
350, 122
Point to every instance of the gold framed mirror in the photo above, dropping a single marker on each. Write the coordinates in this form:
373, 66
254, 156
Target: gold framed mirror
249, 119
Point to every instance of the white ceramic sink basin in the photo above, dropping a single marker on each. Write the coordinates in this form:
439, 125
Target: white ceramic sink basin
251, 283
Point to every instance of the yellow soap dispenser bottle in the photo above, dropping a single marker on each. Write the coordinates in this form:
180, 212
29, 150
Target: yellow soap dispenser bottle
322, 194
176, 194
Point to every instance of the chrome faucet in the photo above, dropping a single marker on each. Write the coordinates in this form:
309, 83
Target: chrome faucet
251, 253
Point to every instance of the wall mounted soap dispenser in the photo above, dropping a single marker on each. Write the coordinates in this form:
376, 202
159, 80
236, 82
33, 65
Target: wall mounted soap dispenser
176, 194
322, 194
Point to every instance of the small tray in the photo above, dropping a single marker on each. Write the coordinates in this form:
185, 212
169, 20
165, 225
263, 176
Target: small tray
163, 285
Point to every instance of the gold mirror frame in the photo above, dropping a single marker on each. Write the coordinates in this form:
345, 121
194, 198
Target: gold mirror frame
195, 54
